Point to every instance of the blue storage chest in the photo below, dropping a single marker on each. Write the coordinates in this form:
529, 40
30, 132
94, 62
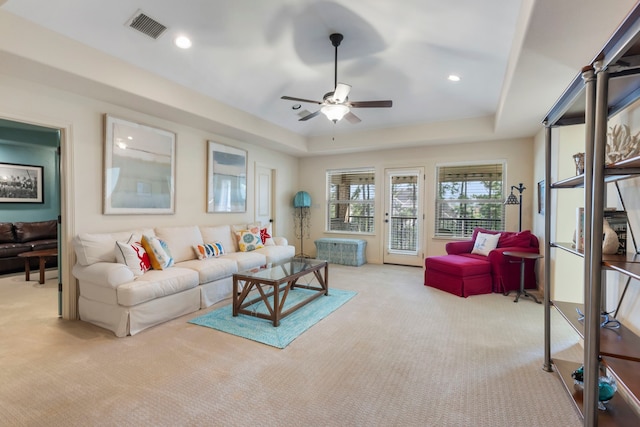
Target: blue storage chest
342, 251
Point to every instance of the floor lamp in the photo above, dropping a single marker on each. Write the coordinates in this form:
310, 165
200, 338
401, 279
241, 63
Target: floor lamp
301, 203
513, 200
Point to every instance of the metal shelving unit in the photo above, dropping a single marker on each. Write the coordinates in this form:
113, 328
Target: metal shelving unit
605, 87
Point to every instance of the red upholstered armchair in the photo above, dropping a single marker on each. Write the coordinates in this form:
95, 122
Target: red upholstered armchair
505, 273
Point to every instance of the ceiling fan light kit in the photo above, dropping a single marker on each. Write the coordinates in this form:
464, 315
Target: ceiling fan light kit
336, 105
335, 112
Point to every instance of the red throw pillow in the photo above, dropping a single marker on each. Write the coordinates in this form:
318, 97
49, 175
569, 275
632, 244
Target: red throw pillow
508, 239
521, 239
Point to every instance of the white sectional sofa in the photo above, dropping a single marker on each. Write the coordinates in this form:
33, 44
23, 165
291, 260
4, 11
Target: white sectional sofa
114, 297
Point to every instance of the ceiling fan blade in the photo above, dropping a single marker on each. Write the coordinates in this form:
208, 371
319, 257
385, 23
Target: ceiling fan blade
341, 93
352, 118
371, 104
309, 116
291, 98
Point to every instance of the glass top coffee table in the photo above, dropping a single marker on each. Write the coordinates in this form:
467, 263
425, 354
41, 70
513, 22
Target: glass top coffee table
273, 283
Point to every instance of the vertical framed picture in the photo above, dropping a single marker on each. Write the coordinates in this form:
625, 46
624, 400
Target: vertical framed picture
541, 197
226, 178
139, 168
21, 183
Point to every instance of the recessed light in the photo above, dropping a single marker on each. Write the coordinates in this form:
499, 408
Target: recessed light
296, 106
183, 42
453, 78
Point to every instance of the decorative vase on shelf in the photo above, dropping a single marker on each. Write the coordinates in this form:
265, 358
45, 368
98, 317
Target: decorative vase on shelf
578, 158
610, 240
621, 144
607, 386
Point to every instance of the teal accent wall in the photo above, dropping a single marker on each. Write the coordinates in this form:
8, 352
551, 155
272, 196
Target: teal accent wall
35, 149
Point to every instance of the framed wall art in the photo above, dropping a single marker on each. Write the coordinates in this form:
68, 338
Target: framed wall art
139, 168
541, 197
21, 183
226, 178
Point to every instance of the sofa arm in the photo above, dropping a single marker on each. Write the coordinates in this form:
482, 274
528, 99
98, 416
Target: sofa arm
280, 241
107, 274
506, 270
463, 247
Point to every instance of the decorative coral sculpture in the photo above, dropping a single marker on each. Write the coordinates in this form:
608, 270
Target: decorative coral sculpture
621, 144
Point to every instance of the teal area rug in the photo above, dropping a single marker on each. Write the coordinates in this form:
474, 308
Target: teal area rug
261, 330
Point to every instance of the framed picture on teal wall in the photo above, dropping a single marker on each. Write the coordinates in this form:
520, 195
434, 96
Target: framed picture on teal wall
21, 183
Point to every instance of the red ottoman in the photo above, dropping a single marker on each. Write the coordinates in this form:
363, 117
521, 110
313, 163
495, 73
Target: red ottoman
459, 275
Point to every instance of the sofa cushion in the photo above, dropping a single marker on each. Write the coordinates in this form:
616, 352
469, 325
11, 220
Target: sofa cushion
13, 249
40, 230
98, 247
277, 253
38, 245
222, 234
485, 243
156, 284
211, 269
181, 240
247, 260
6, 232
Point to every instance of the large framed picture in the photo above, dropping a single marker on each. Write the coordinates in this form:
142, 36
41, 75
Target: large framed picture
21, 183
139, 168
226, 178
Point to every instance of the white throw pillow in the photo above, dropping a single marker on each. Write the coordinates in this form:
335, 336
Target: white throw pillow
133, 255
209, 250
485, 243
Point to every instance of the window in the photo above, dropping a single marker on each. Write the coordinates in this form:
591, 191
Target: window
469, 196
350, 201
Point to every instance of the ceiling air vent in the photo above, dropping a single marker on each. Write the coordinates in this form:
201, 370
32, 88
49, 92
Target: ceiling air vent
146, 25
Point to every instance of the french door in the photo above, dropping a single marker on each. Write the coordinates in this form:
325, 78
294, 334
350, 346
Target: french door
404, 216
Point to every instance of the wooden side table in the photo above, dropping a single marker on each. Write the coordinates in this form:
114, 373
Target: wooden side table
523, 256
42, 256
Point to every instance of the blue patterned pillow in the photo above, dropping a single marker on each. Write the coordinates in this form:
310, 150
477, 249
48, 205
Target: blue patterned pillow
158, 251
249, 240
208, 250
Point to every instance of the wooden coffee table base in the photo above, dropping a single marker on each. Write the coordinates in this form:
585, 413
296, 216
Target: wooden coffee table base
273, 292
42, 256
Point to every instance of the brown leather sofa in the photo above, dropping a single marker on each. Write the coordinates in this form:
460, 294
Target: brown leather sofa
19, 237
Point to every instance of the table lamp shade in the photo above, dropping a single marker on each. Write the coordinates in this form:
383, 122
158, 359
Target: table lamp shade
302, 199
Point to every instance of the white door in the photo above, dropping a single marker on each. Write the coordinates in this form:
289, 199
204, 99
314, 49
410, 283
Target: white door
264, 193
404, 216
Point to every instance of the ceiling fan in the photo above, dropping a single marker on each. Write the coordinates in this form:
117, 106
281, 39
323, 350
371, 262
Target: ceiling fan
336, 105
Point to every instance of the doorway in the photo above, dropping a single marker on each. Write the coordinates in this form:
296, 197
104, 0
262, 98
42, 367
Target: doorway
30, 144
404, 216
264, 177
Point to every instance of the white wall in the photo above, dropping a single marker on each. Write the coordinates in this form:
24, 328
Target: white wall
517, 153
81, 119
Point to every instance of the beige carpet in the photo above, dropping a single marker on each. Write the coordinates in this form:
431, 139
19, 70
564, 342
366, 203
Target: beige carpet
397, 354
